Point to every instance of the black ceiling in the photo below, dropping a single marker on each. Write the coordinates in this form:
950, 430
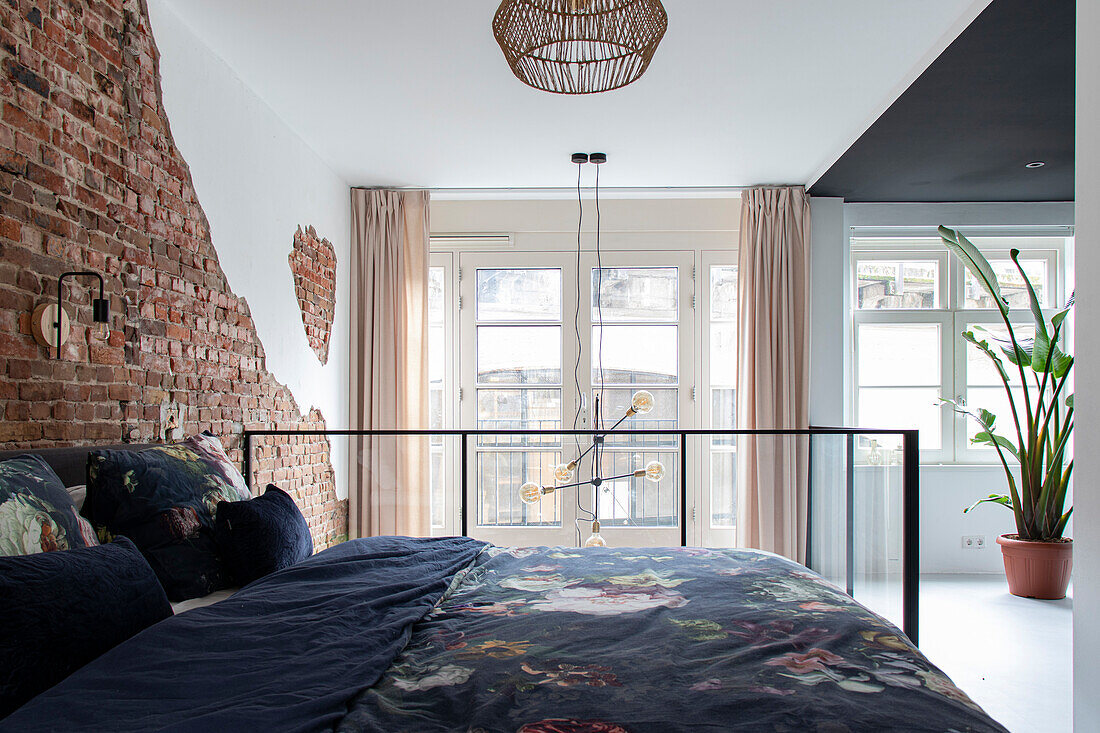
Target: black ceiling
1000, 96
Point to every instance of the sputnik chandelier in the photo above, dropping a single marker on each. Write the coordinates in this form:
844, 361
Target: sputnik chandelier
641, 402
532, 493
579, 46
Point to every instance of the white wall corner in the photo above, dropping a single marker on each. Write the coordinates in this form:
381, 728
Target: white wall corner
1086, 543
828, 311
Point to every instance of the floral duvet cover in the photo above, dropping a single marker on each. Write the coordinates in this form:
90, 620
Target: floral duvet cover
552, 640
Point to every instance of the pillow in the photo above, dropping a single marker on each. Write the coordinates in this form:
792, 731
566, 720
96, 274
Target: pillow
164, 499
61, 610
77, 494
36, 513
263, 535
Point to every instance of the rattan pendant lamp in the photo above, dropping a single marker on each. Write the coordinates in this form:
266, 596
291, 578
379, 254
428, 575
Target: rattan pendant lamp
579, 46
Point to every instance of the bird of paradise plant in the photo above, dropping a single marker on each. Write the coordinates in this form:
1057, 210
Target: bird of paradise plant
1038, 439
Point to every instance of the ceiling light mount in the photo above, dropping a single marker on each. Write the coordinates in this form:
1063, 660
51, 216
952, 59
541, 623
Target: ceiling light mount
579, 46
582, 158
1035, 164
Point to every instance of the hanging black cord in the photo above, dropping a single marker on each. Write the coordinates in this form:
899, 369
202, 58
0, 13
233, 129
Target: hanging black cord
599, 288
577, 312
577, 363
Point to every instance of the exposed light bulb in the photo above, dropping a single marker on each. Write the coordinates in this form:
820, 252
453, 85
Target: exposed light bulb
101, 318
530, 493
595, 539
642, 402
654, 471
100, 332
563, 472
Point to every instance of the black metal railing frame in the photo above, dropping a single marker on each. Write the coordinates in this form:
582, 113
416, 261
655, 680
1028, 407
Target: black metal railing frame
910, 482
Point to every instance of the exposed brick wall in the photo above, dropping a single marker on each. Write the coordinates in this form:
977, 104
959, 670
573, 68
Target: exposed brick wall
313, 262
90, 178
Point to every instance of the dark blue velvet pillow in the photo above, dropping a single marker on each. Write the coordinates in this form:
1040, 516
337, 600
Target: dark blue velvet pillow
260, 536
61, 610
164, 499
36, 512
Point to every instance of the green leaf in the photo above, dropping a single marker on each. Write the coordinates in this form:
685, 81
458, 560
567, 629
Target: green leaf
1069, 401
1019, 352
988, 438
1060, 363
1057, 318
1032, 298
975, 262
986, 418
1061, 526
991, 499
983, 346
1041, 352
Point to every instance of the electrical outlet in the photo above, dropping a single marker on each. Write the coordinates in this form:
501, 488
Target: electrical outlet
973, 542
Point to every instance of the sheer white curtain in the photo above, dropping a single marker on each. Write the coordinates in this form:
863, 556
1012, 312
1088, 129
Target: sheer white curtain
773, 362
390, 488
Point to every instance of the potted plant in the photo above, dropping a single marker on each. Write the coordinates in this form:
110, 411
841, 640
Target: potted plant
1034, 448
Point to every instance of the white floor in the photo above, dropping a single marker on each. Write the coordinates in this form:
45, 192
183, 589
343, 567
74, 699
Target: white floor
1011, 655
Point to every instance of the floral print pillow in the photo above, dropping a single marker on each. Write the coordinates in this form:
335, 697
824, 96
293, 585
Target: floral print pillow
165, 499
36, 512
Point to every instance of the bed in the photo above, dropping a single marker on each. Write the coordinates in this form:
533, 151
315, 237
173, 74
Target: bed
402, 634
407, 634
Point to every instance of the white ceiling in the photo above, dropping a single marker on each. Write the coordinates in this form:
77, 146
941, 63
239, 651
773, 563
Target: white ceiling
417, 93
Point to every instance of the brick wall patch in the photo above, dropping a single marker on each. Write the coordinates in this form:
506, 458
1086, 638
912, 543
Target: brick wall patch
90, 178
313, 263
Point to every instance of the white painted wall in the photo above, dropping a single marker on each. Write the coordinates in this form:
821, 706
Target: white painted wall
945, 490
257, 182
551, 223
1086, 587
829, 297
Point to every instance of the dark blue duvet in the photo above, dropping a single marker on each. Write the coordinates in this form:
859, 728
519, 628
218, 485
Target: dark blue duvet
397, 634
286, 653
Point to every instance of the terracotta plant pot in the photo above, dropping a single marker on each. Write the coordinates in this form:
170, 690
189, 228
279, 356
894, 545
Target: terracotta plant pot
1037, 569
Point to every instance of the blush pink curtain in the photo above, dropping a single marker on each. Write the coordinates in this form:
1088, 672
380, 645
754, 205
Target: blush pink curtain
390, 489
773, 368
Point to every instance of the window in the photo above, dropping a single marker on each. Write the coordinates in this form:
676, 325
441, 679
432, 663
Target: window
639, 342
722, 366
518, 385
441, 390
911, 301
508, 337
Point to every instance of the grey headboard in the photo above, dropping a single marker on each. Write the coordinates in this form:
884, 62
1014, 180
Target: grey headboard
70, 463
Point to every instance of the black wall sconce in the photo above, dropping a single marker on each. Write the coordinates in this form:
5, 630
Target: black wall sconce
50, 323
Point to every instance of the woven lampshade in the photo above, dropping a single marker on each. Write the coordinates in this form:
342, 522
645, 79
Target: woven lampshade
579, 46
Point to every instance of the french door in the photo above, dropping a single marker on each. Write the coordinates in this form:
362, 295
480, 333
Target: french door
532, 355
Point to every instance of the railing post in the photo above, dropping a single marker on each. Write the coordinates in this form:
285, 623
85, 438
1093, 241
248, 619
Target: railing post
462, 483
683, 491
247, 460
810, 501
910, 487
850, 515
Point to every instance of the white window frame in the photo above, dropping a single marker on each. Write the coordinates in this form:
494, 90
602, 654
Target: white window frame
451, 506
706, 533
467, 323
947, 387
694, 372
956, 447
